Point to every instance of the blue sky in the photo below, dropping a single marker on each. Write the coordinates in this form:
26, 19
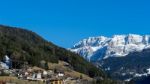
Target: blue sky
65, 22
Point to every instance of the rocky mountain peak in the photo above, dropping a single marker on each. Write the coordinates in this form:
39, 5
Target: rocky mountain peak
116, 46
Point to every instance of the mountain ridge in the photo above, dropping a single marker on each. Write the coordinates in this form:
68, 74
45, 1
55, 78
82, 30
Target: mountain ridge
115, 46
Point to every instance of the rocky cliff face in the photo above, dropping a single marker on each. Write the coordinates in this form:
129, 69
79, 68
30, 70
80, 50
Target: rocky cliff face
97, 48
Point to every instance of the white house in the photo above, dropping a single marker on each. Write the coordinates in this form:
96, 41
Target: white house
39, 76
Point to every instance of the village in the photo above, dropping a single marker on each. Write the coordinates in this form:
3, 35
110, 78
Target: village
51, 76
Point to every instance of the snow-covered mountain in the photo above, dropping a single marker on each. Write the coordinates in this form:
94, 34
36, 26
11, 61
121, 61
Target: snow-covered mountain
97, 48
